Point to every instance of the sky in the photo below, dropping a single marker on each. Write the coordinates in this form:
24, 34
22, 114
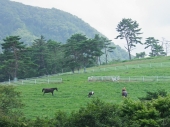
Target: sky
153, 17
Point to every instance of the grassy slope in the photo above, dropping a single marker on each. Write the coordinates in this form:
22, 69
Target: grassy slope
73, 91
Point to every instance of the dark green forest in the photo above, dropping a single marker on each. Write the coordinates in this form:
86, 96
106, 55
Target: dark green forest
50, 57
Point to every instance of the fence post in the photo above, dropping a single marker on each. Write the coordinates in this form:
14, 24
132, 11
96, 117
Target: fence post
9, 81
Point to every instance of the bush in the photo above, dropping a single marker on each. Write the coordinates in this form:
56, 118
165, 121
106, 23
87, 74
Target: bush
154, 95
10, 102
139, 113
96, 114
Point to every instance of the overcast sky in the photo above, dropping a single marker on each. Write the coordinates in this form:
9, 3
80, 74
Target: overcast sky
153, 16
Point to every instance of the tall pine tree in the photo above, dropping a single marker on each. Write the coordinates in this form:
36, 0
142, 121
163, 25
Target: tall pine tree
12, 55
128, 30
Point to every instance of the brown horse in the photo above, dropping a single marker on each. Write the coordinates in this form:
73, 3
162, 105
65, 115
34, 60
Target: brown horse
124, 92
49, 90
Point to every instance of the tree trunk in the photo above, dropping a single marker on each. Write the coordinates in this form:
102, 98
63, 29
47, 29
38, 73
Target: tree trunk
128, 48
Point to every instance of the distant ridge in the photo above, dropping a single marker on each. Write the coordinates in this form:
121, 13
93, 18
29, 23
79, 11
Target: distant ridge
31, 22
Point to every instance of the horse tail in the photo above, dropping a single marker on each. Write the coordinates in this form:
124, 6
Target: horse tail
42, 89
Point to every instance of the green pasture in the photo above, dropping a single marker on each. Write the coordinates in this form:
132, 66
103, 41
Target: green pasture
72, 92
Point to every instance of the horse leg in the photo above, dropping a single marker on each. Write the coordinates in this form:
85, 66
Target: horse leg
43, 93
52, 93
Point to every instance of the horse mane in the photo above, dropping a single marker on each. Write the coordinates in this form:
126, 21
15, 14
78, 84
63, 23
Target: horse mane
124, 89
54, 88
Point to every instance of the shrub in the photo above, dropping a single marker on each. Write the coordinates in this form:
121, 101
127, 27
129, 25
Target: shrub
96, 114
10, 102
154, 95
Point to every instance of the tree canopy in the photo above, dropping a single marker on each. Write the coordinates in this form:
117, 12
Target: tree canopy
130, 31
156, 49
50, 57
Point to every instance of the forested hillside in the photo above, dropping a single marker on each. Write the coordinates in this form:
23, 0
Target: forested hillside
38, 41
30, 23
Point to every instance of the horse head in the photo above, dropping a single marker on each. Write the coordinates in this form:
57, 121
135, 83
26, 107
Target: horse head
42, 89
56, 89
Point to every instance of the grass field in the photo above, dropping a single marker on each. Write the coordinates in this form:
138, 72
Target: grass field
72, 92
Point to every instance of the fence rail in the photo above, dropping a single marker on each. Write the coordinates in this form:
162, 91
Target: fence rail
103, 78
32, 81
125, 67
130, 78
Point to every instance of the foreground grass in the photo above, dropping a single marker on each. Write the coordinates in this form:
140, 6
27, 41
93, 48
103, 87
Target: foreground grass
72, 96
72, 93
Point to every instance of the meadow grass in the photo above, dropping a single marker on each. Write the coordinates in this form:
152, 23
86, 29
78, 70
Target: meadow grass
72, 92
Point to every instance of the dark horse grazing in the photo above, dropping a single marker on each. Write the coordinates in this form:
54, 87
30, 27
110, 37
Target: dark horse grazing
90, 93
49, 90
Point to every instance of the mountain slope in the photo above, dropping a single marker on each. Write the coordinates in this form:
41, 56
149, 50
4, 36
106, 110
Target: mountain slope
31, 22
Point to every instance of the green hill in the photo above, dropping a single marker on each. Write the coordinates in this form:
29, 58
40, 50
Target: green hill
31, 22
72, 92
17, 18
147, 102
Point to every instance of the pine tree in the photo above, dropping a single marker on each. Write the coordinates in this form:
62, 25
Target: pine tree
12, 55
129, 30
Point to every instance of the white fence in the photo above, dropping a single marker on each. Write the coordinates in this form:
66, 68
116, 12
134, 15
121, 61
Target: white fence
130, 79
126, 67
33, 81
145, 78
103, 78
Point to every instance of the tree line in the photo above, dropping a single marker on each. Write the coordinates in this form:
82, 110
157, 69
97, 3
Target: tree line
18, 60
